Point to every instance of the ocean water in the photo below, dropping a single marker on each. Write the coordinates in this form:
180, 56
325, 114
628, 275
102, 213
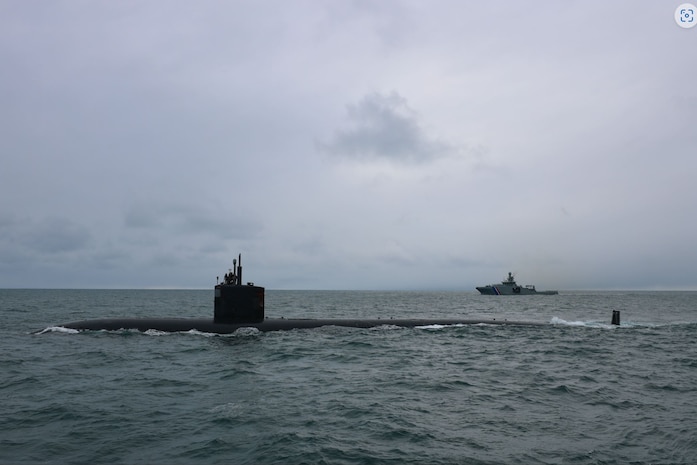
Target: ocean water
575, 391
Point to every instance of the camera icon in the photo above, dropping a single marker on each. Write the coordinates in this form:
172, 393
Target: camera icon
686, 15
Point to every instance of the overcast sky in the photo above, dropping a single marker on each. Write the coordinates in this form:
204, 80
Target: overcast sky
347, 144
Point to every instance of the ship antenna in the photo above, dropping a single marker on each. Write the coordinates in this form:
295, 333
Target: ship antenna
239, 270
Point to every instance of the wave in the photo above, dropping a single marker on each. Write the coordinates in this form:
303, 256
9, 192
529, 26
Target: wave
57, 329
625, 324
589, 324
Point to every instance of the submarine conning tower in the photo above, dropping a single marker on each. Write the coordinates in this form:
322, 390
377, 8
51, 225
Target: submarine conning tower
235, 302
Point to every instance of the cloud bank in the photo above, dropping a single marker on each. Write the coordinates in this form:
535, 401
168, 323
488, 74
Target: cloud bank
353, 145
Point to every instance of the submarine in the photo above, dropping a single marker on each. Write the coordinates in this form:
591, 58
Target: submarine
238, 305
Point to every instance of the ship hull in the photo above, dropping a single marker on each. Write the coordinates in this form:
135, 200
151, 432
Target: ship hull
269, 324
511, 290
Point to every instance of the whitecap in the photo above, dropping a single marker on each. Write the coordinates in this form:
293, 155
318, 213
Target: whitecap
196, 332
558, 321
384, 327
247, 331
229, 410
58, 329
431, 326
155, 332
587, 324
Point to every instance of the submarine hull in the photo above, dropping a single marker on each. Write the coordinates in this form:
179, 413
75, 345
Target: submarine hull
269, 324
242, 306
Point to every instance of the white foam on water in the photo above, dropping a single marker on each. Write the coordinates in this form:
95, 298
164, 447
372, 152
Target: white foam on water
58, 329
587, 324
156, 332
246, 331
384, 327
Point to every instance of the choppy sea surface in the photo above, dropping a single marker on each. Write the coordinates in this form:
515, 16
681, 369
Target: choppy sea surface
575, 391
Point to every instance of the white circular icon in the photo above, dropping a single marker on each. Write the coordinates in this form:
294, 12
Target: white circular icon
686, 15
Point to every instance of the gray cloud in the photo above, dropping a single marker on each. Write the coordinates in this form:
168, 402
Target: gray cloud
145, 145
187, 220
383, 126
47, 236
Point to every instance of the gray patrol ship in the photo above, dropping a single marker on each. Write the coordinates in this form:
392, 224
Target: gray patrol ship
510, 287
